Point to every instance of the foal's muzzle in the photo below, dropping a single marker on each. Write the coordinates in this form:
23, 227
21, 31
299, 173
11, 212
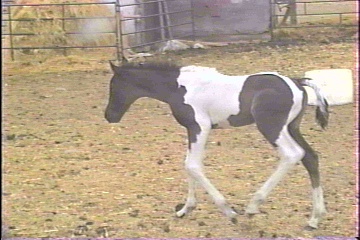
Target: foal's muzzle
112, 117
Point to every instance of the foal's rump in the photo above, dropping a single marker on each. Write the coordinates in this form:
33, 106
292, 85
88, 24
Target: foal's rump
276, 102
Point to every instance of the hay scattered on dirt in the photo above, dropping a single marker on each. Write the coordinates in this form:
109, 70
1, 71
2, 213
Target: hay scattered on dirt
54, 32
67, 173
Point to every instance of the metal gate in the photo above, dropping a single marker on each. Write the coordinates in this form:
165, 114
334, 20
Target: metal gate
140, 24
313, 13
153, 24
125, 32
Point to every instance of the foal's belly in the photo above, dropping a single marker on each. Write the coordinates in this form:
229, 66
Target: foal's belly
238, 120
221, 125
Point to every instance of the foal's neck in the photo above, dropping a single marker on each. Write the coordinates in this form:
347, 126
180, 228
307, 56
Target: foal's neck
160, 85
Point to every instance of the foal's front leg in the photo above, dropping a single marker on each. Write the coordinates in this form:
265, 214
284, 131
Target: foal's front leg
190, 200
194, 168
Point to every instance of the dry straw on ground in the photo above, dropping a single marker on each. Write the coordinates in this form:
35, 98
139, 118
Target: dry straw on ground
53, 32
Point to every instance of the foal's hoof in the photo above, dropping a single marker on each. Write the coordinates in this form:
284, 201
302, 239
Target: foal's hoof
250, 215
183, 209
312, 225
231, 214
238, 212
309, 228
179, 210
251, 211
179, 207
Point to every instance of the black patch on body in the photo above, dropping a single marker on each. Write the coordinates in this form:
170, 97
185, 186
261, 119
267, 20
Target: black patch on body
265, 99
184, 114
153, 80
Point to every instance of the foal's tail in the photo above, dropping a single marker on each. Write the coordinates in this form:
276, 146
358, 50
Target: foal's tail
322, 113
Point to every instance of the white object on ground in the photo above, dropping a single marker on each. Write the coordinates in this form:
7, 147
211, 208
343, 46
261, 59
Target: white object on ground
173, 45
336, 85
198, 45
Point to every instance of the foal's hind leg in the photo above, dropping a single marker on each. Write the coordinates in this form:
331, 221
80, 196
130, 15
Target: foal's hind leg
271, 117
290, 152
311, 163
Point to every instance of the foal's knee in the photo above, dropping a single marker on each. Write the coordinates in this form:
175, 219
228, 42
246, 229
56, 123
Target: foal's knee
193, 169
292, 156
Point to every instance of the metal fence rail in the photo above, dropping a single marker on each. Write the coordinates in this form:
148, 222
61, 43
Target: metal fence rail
119, 37
154, 24
162, 29
298, 9
61, 8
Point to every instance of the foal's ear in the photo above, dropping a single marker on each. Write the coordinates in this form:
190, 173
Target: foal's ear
114, 68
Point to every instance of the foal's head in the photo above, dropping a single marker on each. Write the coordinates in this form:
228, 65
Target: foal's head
133, 81
121, 95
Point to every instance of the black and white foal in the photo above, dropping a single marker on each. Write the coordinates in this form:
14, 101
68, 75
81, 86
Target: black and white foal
202, 99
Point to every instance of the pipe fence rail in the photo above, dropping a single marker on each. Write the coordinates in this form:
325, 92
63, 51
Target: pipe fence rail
160, 25
119, 40
11, 32
313, 14
153, 22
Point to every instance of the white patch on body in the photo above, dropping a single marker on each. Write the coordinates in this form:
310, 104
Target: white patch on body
211, 94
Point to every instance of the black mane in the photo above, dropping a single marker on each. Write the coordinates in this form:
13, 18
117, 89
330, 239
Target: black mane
163, 66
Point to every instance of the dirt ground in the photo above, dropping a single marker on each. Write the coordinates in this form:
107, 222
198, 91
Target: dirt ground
68, 173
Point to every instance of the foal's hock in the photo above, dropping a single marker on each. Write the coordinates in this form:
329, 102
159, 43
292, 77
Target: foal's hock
202, 99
